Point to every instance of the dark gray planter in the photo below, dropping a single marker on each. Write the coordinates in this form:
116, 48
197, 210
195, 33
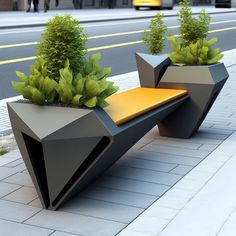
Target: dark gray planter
65, 148
203, 84
151, 68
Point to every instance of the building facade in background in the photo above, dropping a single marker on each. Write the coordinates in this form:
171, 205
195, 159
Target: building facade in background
66, 4
9, 5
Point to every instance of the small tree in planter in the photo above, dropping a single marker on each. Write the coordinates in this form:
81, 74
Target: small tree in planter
192, 47
63, 39
192, 28
151, 68
154, 37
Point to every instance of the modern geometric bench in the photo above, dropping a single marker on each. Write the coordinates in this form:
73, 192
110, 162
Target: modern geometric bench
75, 145
66, 148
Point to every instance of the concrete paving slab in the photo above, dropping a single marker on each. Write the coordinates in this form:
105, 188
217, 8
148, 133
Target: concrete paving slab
6, 188
181, 170
176, 151
102, 209
17, 212
176, 143
118, 196
73, 223
9, 228
57, 233
148, 224
229, 227
129, 232
9, 157
15, 163
23, 195
161, 212
144, 175
36, 203
146, 164
208, 147
166, 158
132, 185
6, 172
20, 178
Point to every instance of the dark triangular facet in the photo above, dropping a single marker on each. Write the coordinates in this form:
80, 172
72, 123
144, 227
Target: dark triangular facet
71, 187
151, 68
35, 152
63, 158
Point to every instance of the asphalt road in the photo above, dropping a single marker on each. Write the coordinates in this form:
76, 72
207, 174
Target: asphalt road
116, 41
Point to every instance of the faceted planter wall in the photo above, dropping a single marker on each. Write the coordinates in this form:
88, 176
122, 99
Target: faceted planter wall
203, 84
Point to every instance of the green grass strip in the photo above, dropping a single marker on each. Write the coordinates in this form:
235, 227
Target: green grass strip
2, 151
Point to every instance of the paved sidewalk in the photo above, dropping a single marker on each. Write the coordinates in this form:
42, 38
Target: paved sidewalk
157, 188
203, 203
14, 19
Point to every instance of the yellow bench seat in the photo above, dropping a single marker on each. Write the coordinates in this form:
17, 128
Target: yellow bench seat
132, 103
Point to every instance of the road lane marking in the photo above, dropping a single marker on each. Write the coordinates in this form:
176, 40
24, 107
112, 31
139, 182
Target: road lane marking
91, 37
105, 47
115, 34
114, 46
18, 45
17, 60
221, 30
89, 50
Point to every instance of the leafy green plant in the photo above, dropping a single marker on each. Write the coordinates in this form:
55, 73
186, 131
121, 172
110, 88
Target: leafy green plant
89, 88
198, 53
63, 39
3, 151
154, 37
37, 87
192, 28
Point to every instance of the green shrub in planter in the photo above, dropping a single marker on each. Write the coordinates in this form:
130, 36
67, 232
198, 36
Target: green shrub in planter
88, 88
37, 87
63, 39
154, 37
198, 53
192, 47
192, 28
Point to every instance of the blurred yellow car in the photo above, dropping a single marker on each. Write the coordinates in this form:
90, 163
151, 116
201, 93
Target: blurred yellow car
153, 4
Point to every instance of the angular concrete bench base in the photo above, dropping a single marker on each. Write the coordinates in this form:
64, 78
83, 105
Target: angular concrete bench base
65, 149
